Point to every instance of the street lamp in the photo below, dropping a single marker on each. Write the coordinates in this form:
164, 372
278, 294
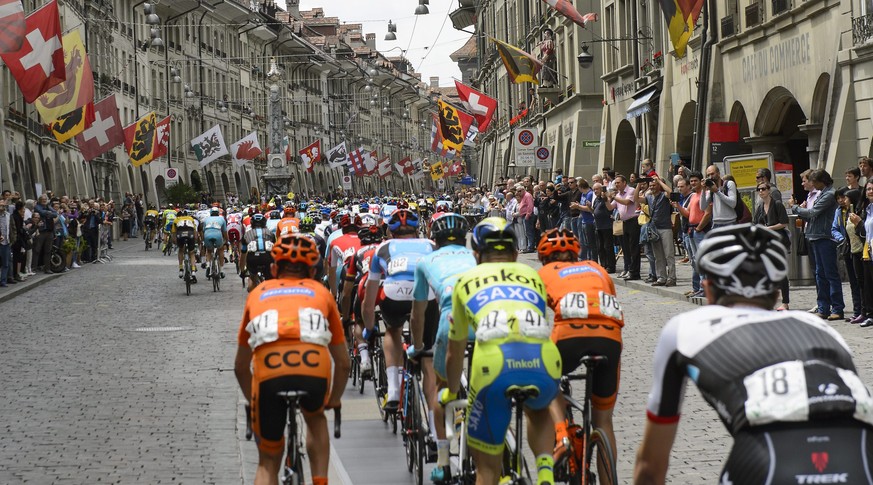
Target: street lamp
392, 29
421, 9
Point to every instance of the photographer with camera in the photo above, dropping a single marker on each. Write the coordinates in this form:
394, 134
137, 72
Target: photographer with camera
722, 195
624, 200
655, 193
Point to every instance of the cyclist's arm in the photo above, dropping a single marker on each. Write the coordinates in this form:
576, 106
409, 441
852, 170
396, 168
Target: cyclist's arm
458, 331
243, 371
420, 290
653, 457
340, 353
331, 274
368, 307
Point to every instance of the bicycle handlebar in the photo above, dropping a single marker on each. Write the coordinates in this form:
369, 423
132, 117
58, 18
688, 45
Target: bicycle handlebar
450, 409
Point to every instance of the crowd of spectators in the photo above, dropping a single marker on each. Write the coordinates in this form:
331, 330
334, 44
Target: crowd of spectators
75, 231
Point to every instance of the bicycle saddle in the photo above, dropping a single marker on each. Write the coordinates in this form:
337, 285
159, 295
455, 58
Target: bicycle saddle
294, 395
521, 394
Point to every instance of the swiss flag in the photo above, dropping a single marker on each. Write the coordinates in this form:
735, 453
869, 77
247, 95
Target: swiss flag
163, 137
482, 106
104, 133
39, 64
12, 26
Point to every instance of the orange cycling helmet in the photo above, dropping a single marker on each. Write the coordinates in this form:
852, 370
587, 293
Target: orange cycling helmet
296, 248
557, 241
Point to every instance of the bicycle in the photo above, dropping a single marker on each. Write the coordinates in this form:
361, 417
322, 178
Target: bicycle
576, 467
215, 271
456, 423
354, 357
188, 275
292, 469
380, 375
415, 430
515, 470
147, 238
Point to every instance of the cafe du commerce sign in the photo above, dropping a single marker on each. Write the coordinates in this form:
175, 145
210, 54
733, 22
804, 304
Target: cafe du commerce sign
791, 52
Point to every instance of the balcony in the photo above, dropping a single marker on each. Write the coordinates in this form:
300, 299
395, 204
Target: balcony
862, 29
754, 14
780, 6
728, 26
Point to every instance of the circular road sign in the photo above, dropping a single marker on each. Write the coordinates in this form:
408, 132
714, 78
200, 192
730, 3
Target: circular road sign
171, 173
525, 137
543, 153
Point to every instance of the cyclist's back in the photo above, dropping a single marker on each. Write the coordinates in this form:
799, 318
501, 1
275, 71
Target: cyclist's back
394, 264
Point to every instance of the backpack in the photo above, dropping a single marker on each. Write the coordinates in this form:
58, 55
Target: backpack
742, 211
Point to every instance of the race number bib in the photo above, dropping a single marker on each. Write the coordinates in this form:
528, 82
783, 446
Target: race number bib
574, 305
314, 327
494, 325
777, 393
213, 225
609, 306
397, 265
532, 324
263, 329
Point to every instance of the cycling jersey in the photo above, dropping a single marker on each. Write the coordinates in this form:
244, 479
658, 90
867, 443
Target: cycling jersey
234, 227
341, 249
256, 240
214, 228
386, 212
272, 224
184, 228
437, 273
168, 218
288, 323
151, 218
505, 305
394, 265
287, 226
202, 215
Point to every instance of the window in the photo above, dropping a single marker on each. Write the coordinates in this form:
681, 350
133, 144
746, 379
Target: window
866, 7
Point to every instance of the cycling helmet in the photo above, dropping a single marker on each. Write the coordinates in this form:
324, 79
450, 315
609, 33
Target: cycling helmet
296, 248
364, 207
181, 213
557, 241
203, 207
450, 227
289, 210
402, 204
251, 211
370, 235
349, 220
367, 220
494, 233
258, 220
275, 215
214, 211
743, 260
402, 218
307, 224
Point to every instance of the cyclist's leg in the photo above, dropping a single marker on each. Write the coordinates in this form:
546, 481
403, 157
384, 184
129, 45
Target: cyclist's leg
181, 250
394, 313
317, 443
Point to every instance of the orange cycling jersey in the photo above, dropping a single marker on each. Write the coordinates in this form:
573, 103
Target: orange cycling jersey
582, 296
287, 226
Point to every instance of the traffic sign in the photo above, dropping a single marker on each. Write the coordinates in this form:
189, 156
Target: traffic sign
544, 158
172, 176
525, 146
347, 182
590, 143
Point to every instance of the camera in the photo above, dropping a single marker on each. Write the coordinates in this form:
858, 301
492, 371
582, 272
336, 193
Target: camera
709, 182
647, 180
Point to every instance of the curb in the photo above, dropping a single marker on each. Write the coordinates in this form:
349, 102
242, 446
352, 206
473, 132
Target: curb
659, 291
21, 288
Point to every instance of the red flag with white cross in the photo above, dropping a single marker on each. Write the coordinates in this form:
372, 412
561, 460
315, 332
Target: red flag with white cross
12, 25
39, 64
482, 106
104, 133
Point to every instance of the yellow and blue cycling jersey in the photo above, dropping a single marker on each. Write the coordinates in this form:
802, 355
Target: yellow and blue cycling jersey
504, 304
168, 217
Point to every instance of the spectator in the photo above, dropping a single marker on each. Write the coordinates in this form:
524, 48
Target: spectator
526, 216
846, 242
812, 194
565, 194
819, 219
865, 165
633, 179
722, 195
22, 242
686, 194
771, 213
625, 201
862, 220
603, 225
765, 176
853, 182
7, 239
42, 247
93, 220
664, 251
587, 233
608, 178
127, 218
647, 168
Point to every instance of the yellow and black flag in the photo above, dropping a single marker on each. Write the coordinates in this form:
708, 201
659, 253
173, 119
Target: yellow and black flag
76, 91
681, 16
72, 123
436, 171
453, 126
521, 66
140, 139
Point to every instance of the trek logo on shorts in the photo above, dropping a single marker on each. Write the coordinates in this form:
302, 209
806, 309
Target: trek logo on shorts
576, 270
825, 478
287, 292
506, 292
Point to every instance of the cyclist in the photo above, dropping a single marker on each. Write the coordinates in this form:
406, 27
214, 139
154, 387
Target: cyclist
289, 333
355, 278
504, 303
307, 227
437, 273
235, 231
256, 246
186, 237
588, 321
289, 224
168, 218
273, 220
214, 233
341, 248
783, 383
392, 270
151, 223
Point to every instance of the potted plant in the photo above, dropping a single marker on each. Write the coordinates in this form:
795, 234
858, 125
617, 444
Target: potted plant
658, 60
647, 67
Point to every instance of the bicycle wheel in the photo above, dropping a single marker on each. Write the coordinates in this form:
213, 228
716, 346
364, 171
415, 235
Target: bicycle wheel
380, 380
418, 434
187, 277
408, 423
601, 461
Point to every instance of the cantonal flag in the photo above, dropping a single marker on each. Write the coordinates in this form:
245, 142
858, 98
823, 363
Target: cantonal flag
39, 64
246, 150
104, 133
77, 90
356, 159
140, 139
162, 145
12, 26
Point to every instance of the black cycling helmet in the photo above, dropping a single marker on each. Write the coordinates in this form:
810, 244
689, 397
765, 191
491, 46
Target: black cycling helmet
258, 220
370, 235
744, 260
450, 227
494, 233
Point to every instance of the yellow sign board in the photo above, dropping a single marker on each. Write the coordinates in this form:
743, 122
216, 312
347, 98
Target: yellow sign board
745, 170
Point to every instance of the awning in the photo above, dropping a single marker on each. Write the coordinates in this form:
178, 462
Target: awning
643, 102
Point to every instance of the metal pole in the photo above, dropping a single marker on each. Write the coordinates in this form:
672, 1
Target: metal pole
135, 64
709, 38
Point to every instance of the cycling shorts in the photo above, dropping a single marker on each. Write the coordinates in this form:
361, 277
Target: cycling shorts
185, 239
606, 374
168, 227
495, 368
441, 344
212, 240
149, 222
836, 451
234, 232
602, 327
292, 366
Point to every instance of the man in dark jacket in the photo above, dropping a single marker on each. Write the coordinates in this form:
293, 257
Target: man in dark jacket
42, 246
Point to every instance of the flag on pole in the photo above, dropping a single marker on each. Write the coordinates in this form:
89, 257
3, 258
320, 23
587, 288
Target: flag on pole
209, 146
311, 155
371, 161
567, 10
436, 140
681, 15
104, 133
453, 126
140, 138
78, 88
480, 105
337, 157
521, 66
246, 149
436, 171
162, 146
383, 169
72, 123
12, 26
404, 166
356, 159
39, 64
